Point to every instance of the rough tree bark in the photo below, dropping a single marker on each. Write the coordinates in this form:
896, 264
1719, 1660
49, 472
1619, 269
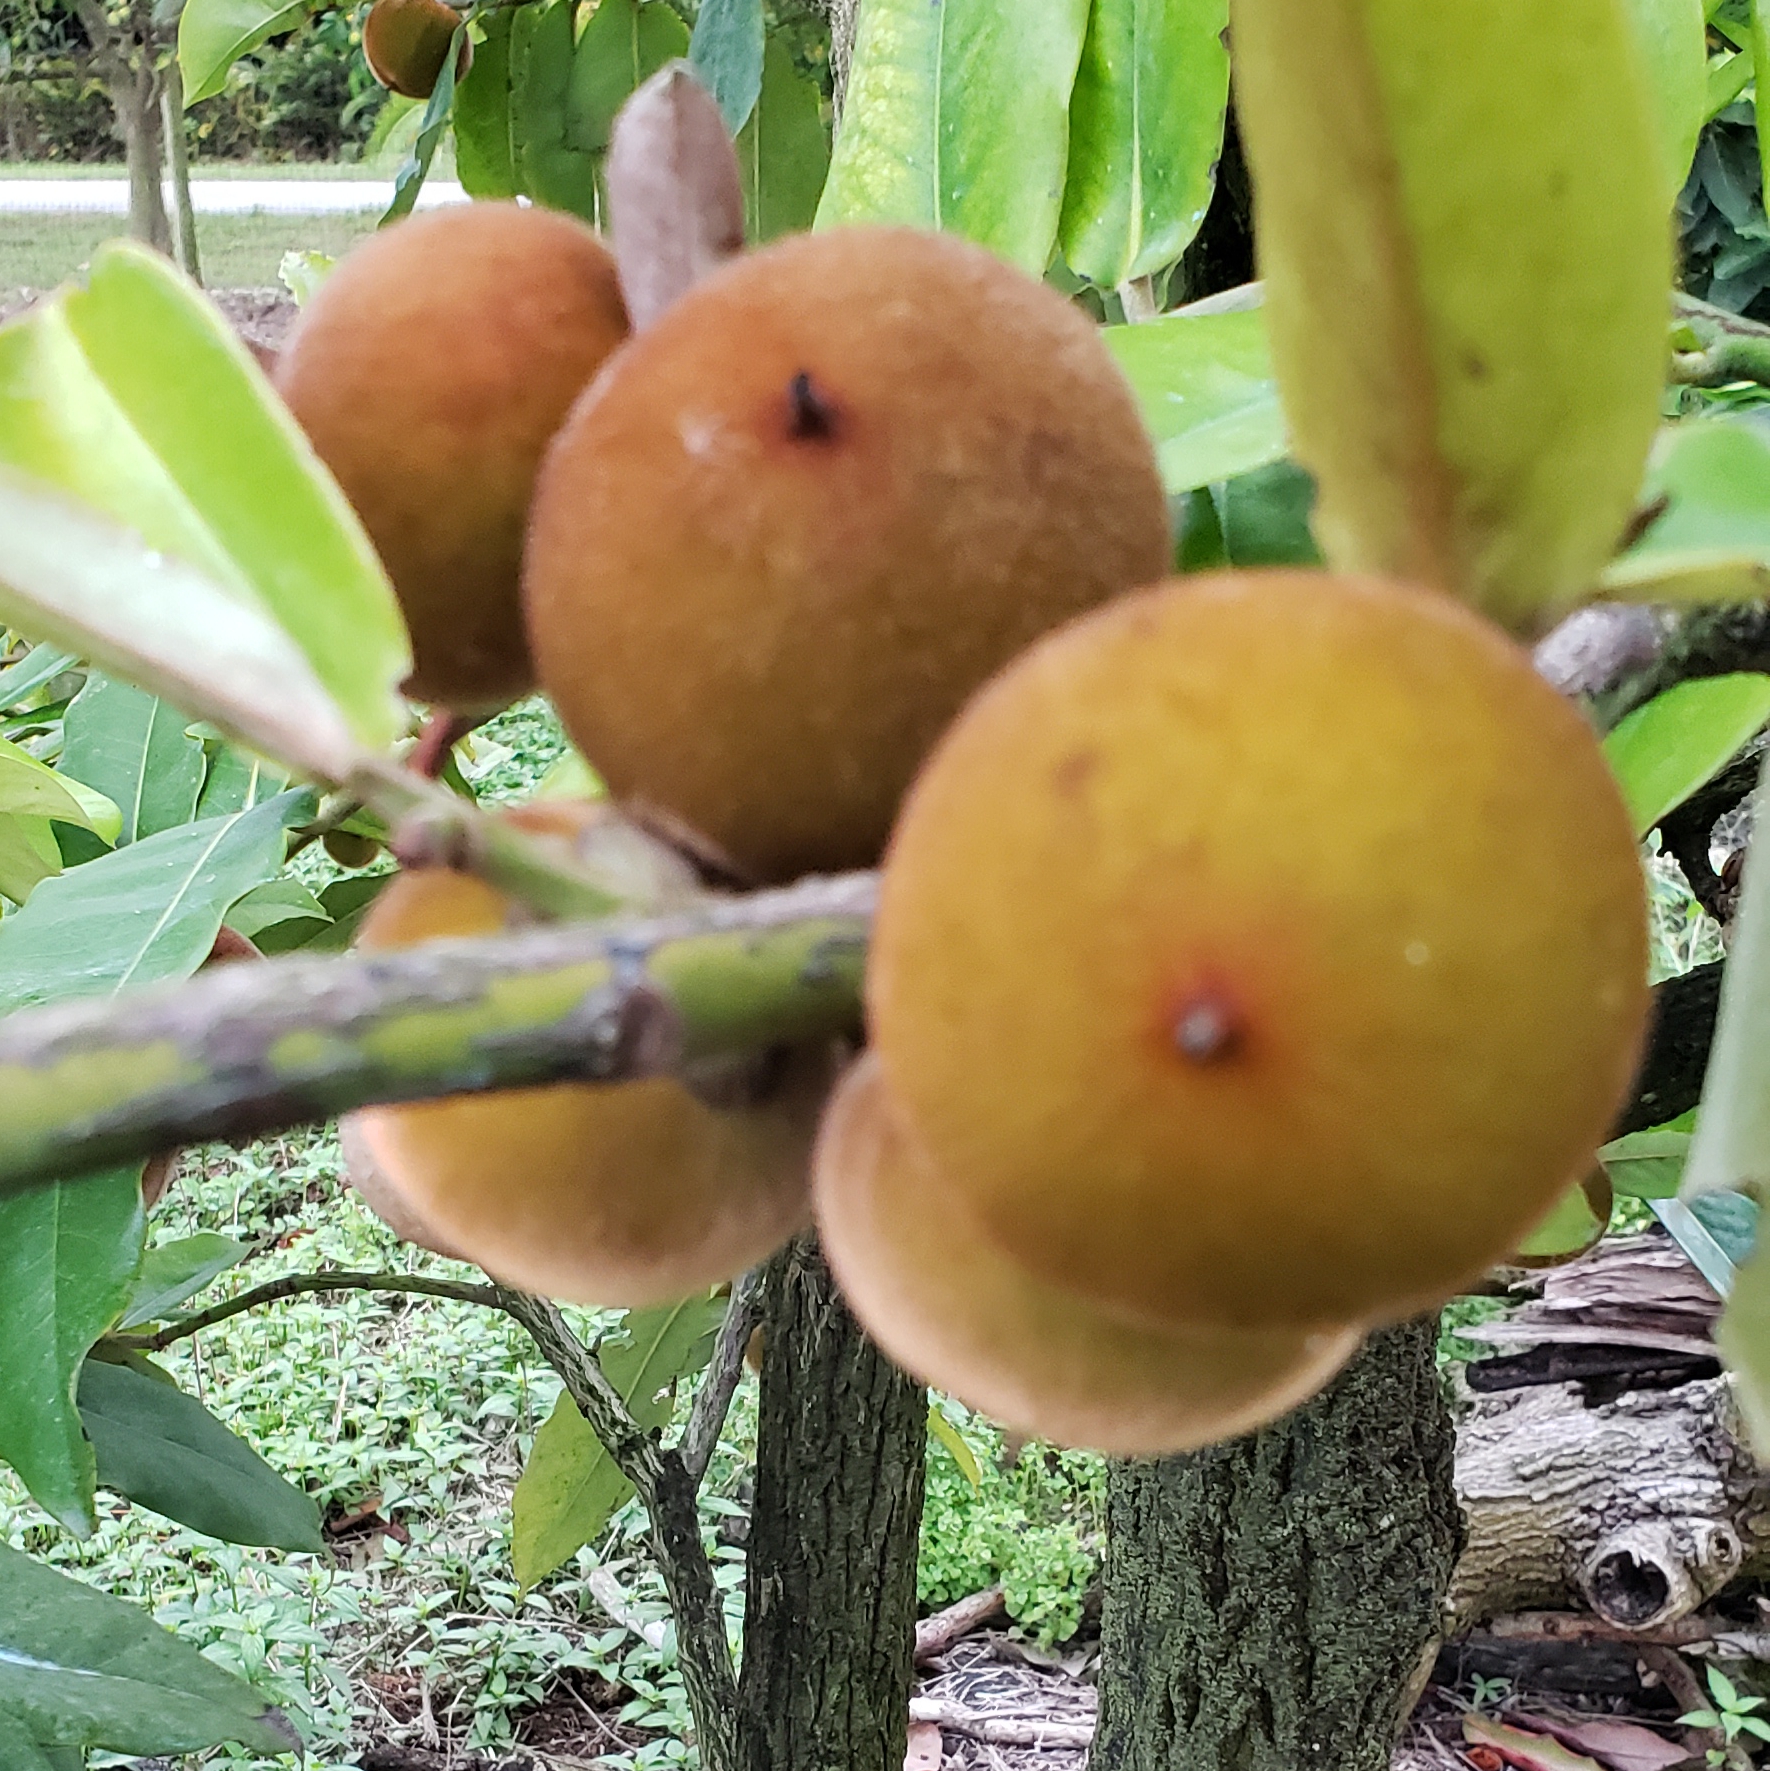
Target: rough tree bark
1273, 1603
125, 53
829, 1633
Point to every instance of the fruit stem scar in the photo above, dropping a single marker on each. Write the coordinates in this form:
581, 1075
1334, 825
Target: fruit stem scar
813, 417
1206, 1031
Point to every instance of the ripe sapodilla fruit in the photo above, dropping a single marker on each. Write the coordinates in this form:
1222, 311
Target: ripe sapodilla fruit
806, 512
618, 1194
406, 42
960, 1314
1264, 949
429, 371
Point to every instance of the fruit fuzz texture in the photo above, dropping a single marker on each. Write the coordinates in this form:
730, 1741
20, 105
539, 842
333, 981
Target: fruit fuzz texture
952, 1308
1263, 950
620, 1194
798, 519
429, 372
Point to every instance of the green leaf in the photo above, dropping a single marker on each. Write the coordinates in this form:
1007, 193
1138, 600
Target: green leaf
1675, 36
1712, 542
1725, 1692
1760, 19
214, 34
784, 151
31, 788
42, 664
165, 1451
1207, 392
1663, 752
29, 854
482, 114
958, 118
134, 396
79, 1668
134, 749
1462, 209
68, 1255
1263, 517
570, 1486
1146, 132
272, 905
347, 902
432, 127
1579, 1217
174, 1271
543, 69
237, 781
623, 45
19, 1752
726, 52
941, 1426
1647, 1164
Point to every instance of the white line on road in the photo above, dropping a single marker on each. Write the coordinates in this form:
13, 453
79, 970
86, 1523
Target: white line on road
219, 196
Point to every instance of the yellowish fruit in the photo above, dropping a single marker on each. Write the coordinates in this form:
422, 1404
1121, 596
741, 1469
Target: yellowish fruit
1265, 949
958, 1313
806, 512
624, 1194
388, 1202
406, 42
349, 849
429, 371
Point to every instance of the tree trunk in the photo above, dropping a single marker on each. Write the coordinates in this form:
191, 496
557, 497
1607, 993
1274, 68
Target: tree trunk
178, 170
1273, 1603
123, 55
829, 1630
843, 14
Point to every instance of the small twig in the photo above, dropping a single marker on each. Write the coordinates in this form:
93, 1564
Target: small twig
295, 1285
700, 1437
936, 1634
1000, 1730
1667, 1664
1728, 347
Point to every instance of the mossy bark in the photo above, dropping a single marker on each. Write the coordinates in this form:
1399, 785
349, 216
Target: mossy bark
1270, 1602
829, 1634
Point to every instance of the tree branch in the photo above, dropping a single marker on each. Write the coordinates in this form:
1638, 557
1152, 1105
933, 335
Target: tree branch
1707, 641
295, 1285
1714, 348
242, 1050
700, 1436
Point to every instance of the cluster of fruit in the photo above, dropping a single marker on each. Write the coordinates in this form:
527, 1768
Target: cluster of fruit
1258, 956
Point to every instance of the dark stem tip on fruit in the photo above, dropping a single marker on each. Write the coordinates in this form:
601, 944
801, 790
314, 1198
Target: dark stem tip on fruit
813, 417
1205, 1031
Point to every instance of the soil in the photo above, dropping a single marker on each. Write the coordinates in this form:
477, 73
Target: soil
261, 316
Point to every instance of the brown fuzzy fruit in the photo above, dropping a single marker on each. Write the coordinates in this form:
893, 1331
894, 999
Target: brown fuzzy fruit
406, 42
1266, 949
429, 371
952, 1308
624, 1194
807, 511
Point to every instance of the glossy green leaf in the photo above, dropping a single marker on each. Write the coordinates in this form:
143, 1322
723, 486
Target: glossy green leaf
726, 52
941, 1428
272, 905
133, 748
78, 1667
236, 781
347, 902
1711, 544
174, 1271
1729, 76
957, 117
40, 666
1579, 1217
1263, 517
1674, 34
165, 1451
570, 1486
623, 45
134, 396
31, 787
1146, 132
549, 166
433, 125
1647, 1164
483, 159
1663, 752
1207, 393
784, 150
1760, 43
1461, 211
29, 854
214, 34
97, 584
68, 1255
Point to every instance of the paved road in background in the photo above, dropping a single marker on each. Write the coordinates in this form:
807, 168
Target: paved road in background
219, 196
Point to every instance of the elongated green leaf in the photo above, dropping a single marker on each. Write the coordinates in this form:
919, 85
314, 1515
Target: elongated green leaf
1146, 132
726, 52
80, 1668
1663, 752
1674, 34
1647, 1164
1580, 1216
571, 1486
482, 114
165, 1451
784, 151
941, 1428
134, 396
1207, 391
30, 787
20, 1752
1760, 43
542, 66
958, 118
623, 45
41, 665
29, 854
1712, 542
432, 127
214, 34
133, 748
237, 780
270, 906
96, 584
175, 1271
67, 1257
1460, 211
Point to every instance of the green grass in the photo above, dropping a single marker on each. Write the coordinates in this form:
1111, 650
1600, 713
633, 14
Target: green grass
237, 251
200, 169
